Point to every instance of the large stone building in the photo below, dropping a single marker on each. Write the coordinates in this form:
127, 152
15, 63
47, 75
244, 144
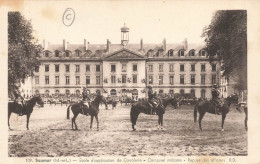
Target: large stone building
126, 69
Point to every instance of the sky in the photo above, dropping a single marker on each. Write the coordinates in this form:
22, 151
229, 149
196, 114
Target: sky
98, 21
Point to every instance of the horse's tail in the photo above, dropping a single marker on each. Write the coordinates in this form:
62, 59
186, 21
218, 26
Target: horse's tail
68, 112
195, 112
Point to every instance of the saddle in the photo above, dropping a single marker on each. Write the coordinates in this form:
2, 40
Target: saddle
84, 107
152, 107
217, 105
19, 108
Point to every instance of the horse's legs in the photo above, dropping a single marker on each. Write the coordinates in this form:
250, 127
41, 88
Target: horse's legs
74, 121
159, 122
134, 119
162, 122
97, 122
246, 123
200, 119
28, 117
91, 121
223, 119
9, 114
246, 118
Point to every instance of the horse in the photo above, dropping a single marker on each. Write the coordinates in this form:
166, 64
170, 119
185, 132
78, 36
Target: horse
93, 111
114, 103
233, 98
204, 106
142, 106
27, 108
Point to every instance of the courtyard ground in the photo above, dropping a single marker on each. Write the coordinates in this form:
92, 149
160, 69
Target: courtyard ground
50, 134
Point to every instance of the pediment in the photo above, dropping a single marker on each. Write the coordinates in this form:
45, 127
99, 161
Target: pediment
124, 54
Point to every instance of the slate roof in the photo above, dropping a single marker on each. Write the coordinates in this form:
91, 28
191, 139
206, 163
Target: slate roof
100, 50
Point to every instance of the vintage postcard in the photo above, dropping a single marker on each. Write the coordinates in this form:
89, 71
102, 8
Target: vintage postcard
130, 82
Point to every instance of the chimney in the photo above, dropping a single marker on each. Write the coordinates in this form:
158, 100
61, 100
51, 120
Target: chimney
141, 45
64, 45
108, 45
43, 45
85, 44
185, 44
164, 44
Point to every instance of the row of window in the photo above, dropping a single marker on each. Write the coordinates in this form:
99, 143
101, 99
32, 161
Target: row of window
67, 68
182, 68
171, 52
67, 80
124, 79
171, 79
57, 91
192, 91
124, 66
113, 92
59, 53
150, 52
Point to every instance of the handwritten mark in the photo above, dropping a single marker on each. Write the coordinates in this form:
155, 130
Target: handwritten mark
68, 17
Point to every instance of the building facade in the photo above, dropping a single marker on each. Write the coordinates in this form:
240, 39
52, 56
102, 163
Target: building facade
126, 69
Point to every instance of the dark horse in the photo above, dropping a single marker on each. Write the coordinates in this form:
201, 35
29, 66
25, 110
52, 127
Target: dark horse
142, 106
114, 103
207, 106
92, 111
27, 109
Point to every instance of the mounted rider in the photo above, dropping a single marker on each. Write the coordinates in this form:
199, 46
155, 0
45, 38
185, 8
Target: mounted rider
18, 99
85, 101
215, 98
151, 99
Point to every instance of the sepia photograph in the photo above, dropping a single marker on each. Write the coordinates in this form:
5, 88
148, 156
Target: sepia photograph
127, 82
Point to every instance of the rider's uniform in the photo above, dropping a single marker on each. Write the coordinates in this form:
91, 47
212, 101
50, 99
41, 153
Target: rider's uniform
86, 98
18, 99
151, 98
215, 97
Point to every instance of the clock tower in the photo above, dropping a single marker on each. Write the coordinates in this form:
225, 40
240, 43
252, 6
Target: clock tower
124, 35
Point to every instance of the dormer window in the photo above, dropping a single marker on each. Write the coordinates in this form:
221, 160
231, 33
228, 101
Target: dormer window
150, 53
88, 52
57, 53
192, 53
98, 53
160, 52
170, 53
202, 53
46, 53
181, 53
67, 54
78, 53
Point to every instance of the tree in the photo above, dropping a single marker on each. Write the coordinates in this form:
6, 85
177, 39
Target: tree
22, 49
226, 41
